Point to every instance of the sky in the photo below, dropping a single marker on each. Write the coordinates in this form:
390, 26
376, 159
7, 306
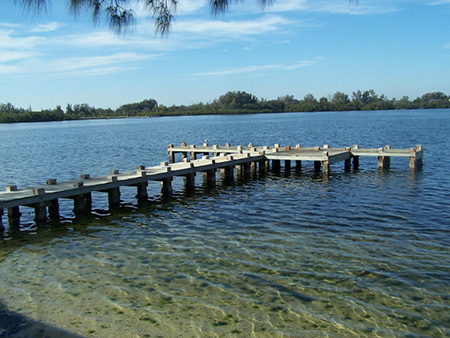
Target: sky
292, 47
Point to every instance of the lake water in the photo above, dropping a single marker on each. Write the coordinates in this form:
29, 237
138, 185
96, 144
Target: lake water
358, 254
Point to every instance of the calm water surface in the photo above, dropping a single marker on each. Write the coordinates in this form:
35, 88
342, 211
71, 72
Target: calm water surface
359, 254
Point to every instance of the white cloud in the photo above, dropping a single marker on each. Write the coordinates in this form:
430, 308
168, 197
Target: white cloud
8, 69
47, 27
7, 56
10, 40
253, 69
95, 62
288, 6
268, 23
354, 7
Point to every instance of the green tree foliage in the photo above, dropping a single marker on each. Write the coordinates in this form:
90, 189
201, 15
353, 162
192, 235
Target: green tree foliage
120, 15
235, 102
143, 108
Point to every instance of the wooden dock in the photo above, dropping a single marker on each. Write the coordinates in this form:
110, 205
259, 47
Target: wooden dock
242, 160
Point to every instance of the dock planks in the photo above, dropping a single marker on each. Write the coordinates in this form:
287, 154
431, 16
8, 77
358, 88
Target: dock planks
213, 158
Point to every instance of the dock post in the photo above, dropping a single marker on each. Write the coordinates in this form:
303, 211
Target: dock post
347, 164
209, 178
14, 215
325, 167
171, 153
1, 220
355, 158
14, 212
287, 166
40, 208
113, 194
276, 164
325, 162
228, 174
383, 161
298, 165
189, 182
40, 212
53, 205
166, 187
253, 169
262, 167
193, 154
317, 165
413, 161
82, 203
142, 193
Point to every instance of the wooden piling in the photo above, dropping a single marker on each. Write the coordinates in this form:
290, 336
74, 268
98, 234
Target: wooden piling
287, 166
166, 187
53, 205
276, 166
317, 165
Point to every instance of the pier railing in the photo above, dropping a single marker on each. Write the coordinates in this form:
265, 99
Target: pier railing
244, 160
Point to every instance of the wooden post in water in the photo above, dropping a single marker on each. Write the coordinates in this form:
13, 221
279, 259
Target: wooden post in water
40, 209
14, 212
141, 193
276, 166
53, 205
413, 162
227, 173
171, 154
317, 165
193, 153
287, 166
325, 162
166, 187
209, 177
114, 193
183, 153
189, 180
384, 162
355, 158
82, 204
347, 162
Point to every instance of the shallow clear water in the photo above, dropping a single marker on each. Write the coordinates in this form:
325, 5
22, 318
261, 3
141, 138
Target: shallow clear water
361, 253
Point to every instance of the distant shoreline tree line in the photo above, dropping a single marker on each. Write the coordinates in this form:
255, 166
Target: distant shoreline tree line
236, 102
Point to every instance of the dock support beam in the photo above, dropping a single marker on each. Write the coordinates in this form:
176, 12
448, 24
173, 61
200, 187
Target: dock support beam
82, 204
298, 165
189, 182
40, 212
276, 165
347, 165
166, 187
384, 162
228, 174
287, 166
209, 178
142, 193
317, 165
415, 162
53, 205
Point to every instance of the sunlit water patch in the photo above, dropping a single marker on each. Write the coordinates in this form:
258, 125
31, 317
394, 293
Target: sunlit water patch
267, 258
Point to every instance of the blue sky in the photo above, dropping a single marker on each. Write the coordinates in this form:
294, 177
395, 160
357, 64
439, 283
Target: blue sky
295, 47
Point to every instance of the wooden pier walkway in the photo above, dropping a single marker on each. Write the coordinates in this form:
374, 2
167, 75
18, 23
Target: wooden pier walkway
246, 160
